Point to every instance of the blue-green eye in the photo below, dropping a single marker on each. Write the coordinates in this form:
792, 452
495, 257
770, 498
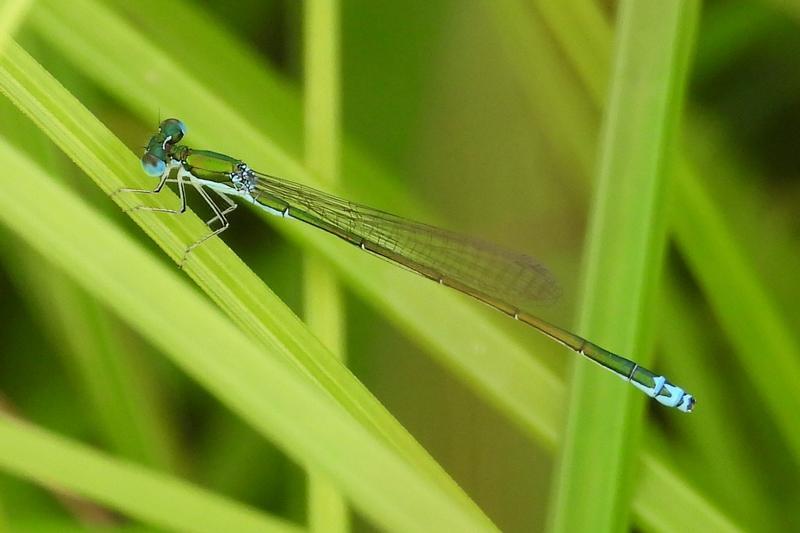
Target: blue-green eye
152, 165
173, 129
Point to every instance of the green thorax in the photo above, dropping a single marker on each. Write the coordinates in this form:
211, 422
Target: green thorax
205, 164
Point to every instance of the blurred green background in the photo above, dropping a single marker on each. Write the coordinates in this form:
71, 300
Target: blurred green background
482, 113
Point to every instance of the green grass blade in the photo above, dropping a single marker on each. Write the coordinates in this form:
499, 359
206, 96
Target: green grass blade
271, 395
623, 260
151, 497
323, 307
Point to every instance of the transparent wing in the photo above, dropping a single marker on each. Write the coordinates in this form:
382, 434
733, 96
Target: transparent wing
515, 278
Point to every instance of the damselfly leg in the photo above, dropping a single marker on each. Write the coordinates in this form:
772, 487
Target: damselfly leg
181, 177
179, 180
219, 214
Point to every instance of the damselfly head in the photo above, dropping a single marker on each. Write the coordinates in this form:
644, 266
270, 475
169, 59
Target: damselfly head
160, 146
172, 129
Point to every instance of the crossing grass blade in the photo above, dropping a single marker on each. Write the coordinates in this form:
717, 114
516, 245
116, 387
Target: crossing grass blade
151, 497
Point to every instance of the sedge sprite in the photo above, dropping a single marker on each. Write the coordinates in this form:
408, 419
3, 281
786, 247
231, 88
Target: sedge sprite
504, 280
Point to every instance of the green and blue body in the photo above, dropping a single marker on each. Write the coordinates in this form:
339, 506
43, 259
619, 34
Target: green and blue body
233, 177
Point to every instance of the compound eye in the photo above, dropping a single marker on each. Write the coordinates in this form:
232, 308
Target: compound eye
173, 129
152, 165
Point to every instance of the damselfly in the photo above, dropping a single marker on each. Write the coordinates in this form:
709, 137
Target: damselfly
504, 280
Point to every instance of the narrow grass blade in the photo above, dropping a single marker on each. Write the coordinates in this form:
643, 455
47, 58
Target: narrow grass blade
154, 498
323, 307
623, 260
